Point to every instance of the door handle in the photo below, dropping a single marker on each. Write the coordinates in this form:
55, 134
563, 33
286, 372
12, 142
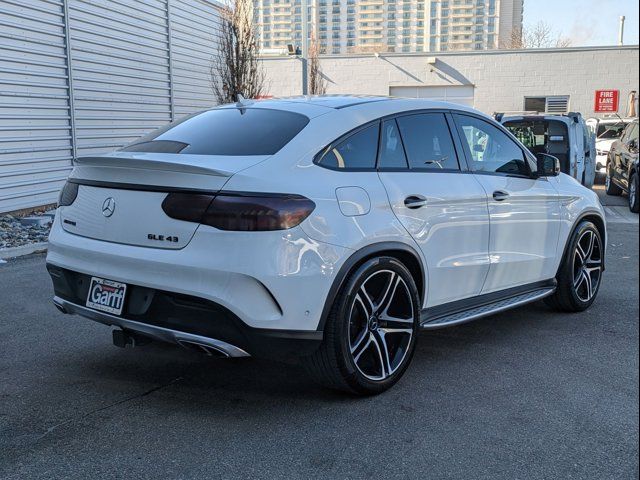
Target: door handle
415, 201
500, 195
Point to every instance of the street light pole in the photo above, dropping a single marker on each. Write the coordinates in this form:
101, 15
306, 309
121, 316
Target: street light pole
305, 46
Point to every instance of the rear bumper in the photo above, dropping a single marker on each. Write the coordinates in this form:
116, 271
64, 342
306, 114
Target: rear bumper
181, 319
268, 280
152, 331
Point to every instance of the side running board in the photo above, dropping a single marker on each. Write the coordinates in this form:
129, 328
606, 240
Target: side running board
435, 318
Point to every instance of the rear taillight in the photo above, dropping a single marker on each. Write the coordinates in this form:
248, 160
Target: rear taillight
189, 207
240, 212
68, 194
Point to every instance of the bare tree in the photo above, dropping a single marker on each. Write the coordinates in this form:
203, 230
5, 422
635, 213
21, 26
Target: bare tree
515, 41
540, 35
235, 69
317, 83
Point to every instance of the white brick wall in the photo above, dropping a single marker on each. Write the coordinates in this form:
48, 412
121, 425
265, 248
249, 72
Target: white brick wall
501, 78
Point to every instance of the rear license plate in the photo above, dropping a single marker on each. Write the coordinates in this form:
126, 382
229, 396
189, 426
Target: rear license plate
106, 295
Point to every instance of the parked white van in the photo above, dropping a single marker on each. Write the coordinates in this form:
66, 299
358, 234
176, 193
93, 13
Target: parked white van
566, 137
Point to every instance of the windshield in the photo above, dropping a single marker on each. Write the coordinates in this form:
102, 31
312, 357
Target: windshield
224, 131
611, 131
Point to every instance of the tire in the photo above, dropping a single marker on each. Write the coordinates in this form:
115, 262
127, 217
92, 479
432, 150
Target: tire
359, 330
634, 185
580, 273
610, 187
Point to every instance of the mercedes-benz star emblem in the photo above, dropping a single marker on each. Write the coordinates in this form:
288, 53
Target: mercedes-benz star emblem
108, 207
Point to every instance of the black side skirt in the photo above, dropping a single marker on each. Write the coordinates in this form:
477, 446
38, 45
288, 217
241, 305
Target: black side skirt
462, 311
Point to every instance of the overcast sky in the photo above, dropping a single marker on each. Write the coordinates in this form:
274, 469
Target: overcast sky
586, 22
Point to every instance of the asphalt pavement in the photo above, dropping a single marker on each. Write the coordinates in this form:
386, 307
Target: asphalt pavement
527, 394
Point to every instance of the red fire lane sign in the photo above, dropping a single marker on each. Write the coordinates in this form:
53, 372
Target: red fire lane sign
606, 101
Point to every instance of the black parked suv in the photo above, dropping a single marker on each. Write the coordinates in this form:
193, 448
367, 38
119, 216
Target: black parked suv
622, 166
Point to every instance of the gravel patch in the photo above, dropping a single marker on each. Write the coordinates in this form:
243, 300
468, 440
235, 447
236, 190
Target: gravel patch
15, 234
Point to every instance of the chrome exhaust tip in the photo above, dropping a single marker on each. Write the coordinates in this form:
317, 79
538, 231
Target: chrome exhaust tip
60, 307
208, 350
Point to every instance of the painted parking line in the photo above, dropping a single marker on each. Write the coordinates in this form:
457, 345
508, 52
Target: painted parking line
619, 214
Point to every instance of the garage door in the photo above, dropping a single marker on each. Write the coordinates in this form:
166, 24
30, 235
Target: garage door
461, 94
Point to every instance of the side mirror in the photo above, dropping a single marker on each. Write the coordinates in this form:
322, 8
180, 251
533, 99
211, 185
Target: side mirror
633, 145
548, 165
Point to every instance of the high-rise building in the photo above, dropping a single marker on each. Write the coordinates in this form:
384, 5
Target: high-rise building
350, 26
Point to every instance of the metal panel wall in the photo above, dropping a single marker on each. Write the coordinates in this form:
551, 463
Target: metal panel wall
134, 66
193, 41
35, 117
120, 58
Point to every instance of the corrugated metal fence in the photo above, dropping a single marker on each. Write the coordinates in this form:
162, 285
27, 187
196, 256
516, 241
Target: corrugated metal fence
80, 77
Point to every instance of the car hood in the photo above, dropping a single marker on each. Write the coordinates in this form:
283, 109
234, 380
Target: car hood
605, 143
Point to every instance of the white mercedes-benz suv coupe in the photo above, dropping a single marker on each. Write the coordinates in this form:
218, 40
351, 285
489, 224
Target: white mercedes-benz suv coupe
329, 229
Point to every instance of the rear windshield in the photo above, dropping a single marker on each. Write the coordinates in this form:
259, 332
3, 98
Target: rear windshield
225, 131
539, 135
611, 130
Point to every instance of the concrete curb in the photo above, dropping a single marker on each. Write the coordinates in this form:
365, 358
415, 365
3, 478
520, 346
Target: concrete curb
23, 250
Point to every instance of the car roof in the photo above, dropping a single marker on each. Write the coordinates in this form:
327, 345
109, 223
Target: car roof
355, 105
331, 101
533, 118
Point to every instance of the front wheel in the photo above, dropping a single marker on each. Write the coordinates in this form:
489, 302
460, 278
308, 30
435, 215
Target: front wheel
634, 201
370, 334
580, 273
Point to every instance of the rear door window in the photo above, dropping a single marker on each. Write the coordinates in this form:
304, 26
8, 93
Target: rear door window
225, 131
357, 152
427, 142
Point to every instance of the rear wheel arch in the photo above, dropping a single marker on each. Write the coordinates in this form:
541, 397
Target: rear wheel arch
404, 253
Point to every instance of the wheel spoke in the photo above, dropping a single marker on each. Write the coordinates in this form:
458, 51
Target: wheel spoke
361, 339
381, 345
396, 330
580, 251
592, 264
596, 268
592, 241
389, 292
365, 300
587, 279
362, 345
578, 281
396, 323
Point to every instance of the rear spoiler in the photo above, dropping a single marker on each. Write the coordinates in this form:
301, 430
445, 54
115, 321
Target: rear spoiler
219, 166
